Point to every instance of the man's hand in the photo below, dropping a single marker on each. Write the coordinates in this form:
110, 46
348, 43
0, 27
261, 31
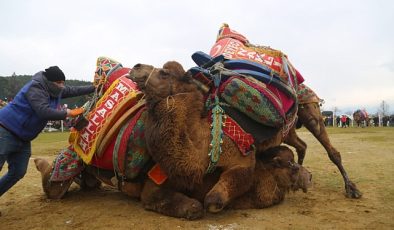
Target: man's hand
75, 112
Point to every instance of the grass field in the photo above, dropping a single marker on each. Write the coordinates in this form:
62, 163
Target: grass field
367, 155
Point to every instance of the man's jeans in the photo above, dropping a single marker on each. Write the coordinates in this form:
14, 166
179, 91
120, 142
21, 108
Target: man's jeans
17, 153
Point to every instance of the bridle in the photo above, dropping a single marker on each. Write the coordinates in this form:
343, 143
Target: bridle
150, 75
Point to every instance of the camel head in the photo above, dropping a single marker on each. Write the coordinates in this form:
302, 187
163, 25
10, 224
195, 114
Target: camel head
53, 190
160, 83
288, 173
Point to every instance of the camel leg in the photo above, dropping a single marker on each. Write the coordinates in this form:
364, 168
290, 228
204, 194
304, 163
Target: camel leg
293, 140
311, 118
87, 181
232, 183
168, 202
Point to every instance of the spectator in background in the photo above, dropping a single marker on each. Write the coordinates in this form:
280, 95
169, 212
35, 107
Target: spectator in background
25, 117
347, 121
343, 121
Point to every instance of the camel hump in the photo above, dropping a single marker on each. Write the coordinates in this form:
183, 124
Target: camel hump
175, 67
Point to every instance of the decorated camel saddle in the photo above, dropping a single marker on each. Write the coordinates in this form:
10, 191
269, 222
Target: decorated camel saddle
255, 85
110, 133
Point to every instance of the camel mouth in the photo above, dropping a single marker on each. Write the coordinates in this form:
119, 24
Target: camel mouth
140, 72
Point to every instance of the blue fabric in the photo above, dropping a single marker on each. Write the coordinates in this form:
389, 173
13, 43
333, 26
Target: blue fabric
20, 118
16, 153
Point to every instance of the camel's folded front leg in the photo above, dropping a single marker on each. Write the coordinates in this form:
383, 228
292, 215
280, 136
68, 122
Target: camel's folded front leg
168, 202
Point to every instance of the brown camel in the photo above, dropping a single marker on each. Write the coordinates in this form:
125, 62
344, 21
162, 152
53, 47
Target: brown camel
361, 118
178, 136
310, 116
275, 175
164, 199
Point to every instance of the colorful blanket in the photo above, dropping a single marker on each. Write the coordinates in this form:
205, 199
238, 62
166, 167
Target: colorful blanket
257, 80
306, 95
234, 46
126, 154
120, 93
66, 165
120, 96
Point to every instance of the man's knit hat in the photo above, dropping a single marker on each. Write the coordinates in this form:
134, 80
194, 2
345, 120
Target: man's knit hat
54, 73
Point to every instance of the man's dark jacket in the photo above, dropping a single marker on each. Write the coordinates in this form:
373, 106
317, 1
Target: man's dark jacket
31, 109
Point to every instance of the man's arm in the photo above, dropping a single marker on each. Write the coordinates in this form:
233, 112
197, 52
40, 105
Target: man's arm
39, 101
73, 91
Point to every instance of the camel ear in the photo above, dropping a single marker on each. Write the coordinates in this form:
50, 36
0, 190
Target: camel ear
175, 68
41, 164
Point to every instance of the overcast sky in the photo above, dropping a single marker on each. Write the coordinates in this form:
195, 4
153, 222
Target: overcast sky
344, 49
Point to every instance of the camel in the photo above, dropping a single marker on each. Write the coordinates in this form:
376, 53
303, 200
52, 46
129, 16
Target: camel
236, 170
276, 173
310, 116
361, 118
171, 197
178, 134
308, 113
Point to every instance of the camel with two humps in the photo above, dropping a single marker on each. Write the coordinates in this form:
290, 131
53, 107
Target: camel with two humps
309, 115
178, 136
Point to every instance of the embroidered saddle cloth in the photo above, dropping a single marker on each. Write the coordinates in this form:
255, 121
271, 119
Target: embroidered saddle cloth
126, 154
120, 93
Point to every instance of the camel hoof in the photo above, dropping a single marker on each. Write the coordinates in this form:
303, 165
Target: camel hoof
195, 211
213, 203
353, 192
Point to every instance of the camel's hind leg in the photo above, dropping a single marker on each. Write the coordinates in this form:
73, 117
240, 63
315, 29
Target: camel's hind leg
292, 139
310, 116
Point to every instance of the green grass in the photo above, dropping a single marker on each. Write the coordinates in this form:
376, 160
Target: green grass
48, 144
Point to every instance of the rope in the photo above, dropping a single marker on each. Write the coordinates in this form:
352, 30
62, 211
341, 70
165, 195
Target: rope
150, 75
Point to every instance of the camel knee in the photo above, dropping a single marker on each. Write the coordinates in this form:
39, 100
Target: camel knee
313, 125
232, 184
